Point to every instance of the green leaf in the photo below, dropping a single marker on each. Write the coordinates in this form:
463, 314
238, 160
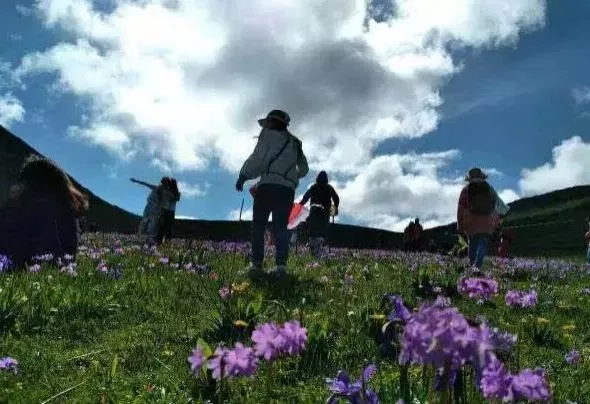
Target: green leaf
205, 347
114, 366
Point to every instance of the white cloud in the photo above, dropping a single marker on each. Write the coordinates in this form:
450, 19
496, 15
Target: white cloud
581, 95
193, 190
184, 217
11, 110
235, 214
570, 166
187, 94
508, 195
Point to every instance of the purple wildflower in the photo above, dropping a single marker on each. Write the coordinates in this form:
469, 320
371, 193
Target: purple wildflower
573, 357
240, 361
268, 341
35, 268
531, 385
196, 360
478, 288
357, 392
9, 364
440, 337
400, 311
294, 338
5, 263
442, 302
517, 298
224, 292
217, 364
496, 382
502, 341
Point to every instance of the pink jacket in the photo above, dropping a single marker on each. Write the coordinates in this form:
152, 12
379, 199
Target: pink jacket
470, 224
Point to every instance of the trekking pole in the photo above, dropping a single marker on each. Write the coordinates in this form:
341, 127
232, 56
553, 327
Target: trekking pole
241, 209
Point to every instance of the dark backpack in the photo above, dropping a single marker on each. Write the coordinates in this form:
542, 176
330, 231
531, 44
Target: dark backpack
480, 198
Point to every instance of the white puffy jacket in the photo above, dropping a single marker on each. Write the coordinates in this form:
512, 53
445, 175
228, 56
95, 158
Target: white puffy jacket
277, 159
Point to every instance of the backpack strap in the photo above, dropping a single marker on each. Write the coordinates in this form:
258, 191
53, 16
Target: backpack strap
270, 163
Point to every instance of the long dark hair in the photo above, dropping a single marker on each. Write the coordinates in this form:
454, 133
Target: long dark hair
42, 176
171, 185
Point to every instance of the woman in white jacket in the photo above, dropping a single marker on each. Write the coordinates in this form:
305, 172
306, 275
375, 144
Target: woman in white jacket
279, 161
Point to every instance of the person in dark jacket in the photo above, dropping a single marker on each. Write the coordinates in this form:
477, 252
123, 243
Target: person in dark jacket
322, 196
170, 196
41, 215
409, 236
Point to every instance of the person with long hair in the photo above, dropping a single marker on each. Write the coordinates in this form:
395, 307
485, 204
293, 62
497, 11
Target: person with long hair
170, 196
322, 196
279, 161
149, 224
41, 215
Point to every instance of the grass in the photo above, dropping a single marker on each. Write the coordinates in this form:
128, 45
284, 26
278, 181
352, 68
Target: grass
92, 338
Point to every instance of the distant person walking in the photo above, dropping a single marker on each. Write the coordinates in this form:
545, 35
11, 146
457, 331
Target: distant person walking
477, 215
170, 196
322, 196
42, 213
151, 213
279, 161
417, 236
409, 236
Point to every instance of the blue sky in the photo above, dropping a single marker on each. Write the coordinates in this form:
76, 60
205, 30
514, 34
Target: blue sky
506, 103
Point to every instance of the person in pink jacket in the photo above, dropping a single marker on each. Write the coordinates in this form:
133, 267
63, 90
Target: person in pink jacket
477, 217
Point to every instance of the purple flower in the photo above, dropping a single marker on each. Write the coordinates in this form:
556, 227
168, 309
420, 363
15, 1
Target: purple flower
5, 263
503, 341
531, 385
442, 302
268, 341
517, 298
196, 360
217, 364
9, 364
240, 361
442, 336
294, 338
573, 357
224, 292
400, 311
496, 382
164, 260
478, 288
35, 268
357, 392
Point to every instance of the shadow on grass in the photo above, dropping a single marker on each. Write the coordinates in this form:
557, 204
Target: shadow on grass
286, 288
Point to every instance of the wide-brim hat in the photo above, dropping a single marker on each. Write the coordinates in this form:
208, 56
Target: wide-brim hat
277, 115
475, 173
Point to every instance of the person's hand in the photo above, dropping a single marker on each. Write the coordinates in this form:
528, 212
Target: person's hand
240, 183
133, 180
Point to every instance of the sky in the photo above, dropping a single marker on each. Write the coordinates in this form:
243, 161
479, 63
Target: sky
396, 99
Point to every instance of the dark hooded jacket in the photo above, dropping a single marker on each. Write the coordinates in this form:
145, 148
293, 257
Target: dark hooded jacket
321, 193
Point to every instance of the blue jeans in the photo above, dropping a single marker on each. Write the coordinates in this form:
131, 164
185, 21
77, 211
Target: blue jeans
278, 200
478, 248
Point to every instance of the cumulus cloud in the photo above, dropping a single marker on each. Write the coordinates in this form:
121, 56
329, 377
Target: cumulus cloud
192, 190
183, 81
581, 95
570, 166
11, 110
185, 217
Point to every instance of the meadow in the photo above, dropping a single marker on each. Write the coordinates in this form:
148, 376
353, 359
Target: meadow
121, 323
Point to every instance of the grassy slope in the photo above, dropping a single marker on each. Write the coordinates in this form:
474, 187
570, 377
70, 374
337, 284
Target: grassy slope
128, 339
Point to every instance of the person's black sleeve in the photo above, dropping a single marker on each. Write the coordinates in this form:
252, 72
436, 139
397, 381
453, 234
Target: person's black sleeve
307, 195
334, 196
